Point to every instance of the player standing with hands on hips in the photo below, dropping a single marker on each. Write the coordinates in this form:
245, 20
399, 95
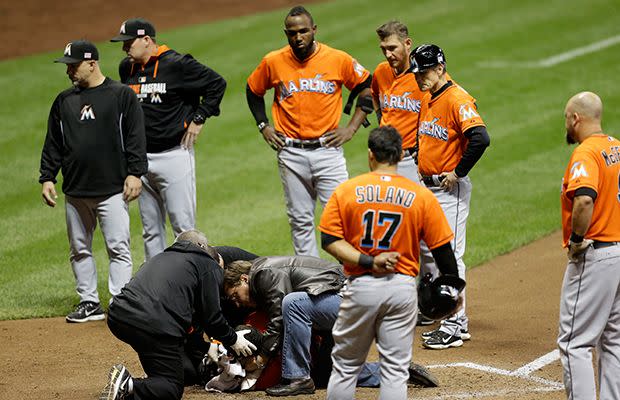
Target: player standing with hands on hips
95, 135
307, 78
590, 302
451, 138
373, 224
177, 94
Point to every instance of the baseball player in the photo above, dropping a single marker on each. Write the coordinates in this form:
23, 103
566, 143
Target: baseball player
451, 138
174, 294
95, 135
307, 78
177, 94
590, 302
373, 224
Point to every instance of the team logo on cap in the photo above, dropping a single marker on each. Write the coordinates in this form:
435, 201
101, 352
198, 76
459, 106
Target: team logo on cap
68, 49
123, 27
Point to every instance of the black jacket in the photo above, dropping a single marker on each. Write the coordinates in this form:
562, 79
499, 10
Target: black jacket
272, 278
175, 292
96, 136
172, 88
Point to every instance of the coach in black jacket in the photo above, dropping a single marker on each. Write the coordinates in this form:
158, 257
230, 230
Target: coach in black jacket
178, 94
172, 295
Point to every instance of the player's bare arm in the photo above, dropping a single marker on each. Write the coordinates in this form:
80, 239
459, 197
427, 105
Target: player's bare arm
132, 188
48, 191
583, 206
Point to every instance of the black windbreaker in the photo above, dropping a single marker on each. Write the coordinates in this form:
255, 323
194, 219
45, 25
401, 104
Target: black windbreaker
96, 136
172, 88
175, 293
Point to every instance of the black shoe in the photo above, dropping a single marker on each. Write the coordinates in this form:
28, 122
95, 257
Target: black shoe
118, 384
86, 311
295, 387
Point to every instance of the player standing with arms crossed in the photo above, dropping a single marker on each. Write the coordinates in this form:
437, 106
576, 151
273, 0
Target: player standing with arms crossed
451, 138
307, 78
590, 303
95, 134
373, 224
177, 94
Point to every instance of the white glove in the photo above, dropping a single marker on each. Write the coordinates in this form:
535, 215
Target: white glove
242, 346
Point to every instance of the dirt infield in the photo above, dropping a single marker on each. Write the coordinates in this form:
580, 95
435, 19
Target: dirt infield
513, 306
513, 300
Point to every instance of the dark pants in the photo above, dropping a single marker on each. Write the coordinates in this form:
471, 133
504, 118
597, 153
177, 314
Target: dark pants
161, 358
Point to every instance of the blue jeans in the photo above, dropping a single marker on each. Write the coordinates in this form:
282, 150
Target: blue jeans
301, 314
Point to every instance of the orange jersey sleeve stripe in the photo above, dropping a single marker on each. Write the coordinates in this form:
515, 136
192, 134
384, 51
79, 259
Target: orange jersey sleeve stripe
443, 121
307, 95
384, 212
594, 164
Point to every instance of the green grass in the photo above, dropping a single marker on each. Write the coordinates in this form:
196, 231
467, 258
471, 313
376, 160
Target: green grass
240, 202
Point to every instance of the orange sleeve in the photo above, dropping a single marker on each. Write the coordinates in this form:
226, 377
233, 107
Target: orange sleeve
259, 80
354, 73
374, 87
436, 230
331, 219
583, 172
465, 114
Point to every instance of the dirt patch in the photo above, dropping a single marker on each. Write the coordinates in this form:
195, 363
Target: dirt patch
30, 26
513, 306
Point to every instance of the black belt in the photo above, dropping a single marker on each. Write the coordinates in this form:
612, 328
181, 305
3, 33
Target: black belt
429, 182
601, 245
303, 144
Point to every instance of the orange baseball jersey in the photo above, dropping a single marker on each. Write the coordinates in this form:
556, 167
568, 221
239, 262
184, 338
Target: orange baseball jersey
594, 164
378, 212
443, 121
398, 97
307, 95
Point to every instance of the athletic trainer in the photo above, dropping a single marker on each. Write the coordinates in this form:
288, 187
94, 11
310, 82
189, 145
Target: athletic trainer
177, 94
590, 302
307, 78
95, 135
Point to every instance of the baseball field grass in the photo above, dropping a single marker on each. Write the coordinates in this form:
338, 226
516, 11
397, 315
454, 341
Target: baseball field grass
502, 54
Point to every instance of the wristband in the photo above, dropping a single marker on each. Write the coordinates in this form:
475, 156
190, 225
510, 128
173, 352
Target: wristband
261, 126
576, 238
365, 261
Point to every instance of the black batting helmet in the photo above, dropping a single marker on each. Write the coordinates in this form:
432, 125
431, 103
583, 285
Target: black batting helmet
439, 298
426, 56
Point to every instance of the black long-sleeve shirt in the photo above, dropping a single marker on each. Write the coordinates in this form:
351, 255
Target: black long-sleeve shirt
172, 88
96, 137
174, 293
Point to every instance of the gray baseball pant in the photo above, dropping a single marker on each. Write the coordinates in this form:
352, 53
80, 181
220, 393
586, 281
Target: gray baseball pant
409, 169
113, 215
590, 318
455, 205
169, 188
308, 174
381, 309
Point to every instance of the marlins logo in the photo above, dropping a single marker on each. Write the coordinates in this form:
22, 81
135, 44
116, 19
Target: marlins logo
358, 68
467, 112
87, 112
68, 49
578, 170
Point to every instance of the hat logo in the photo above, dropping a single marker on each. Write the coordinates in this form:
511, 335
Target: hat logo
68, 49
123, 28
141, 32
87, 55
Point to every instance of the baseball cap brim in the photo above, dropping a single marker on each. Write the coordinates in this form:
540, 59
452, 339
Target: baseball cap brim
68, 60
122, 38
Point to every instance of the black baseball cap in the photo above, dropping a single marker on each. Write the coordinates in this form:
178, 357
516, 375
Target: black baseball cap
133, 28
426, 56
78, 51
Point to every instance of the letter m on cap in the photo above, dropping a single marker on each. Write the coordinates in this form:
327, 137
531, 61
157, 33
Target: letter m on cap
68, 49
123, 27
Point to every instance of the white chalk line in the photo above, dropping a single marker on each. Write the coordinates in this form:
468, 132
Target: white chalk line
556, 59
523, 372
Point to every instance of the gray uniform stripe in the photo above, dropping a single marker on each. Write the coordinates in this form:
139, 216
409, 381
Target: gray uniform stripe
120, 130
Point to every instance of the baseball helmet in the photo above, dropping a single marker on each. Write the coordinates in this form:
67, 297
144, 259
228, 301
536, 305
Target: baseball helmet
439, 298
426, 56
